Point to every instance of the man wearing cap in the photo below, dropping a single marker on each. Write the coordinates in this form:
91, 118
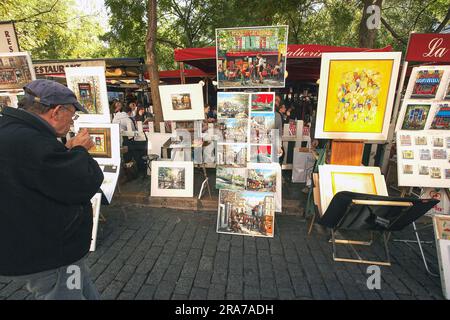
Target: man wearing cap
45, 192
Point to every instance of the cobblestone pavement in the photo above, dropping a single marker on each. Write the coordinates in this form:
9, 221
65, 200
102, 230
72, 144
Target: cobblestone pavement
145, 253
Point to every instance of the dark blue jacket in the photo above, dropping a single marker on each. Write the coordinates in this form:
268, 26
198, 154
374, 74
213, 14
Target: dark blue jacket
45, 192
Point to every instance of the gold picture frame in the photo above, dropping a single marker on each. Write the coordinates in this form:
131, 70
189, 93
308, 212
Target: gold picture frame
102, 140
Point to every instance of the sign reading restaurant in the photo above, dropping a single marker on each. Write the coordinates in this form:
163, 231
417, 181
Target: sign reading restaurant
57, 68
8, 37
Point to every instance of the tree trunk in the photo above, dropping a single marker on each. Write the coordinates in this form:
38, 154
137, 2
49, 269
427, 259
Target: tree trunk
367, 36
151, 62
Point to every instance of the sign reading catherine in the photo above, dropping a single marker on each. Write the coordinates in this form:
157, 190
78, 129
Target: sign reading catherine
253, 57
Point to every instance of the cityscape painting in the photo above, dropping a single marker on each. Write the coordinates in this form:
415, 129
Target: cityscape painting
246, 213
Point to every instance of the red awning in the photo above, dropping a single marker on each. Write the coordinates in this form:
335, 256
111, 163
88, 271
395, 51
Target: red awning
303, 61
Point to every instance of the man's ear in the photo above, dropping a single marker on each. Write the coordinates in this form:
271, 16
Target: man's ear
55, 112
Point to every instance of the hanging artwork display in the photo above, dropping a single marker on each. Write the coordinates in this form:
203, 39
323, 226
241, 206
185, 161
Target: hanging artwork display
172, 179
425, 162
356, 95
182, 102
246, 213
16, 70
251, 57
336, 178
89, 86
427, 82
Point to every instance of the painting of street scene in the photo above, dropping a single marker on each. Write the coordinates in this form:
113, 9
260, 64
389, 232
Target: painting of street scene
263, 102
261, 154
88, 92
171, 178
246, 213
232, 105
262, 180
232, 155
251, 57
234, 130
261, 127
181, 101
230, 178
15, 70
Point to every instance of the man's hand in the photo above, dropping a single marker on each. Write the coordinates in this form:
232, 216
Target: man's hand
82, 139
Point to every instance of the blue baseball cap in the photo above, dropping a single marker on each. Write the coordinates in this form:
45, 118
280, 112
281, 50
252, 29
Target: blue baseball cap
51, 93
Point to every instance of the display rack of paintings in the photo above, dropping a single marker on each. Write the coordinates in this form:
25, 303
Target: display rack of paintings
89, 86
106, 151
182, 102
16, 70
246, 213
356, 95
251, 57
336, 178
172, 179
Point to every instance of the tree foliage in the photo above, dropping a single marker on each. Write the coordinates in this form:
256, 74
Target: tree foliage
54, 29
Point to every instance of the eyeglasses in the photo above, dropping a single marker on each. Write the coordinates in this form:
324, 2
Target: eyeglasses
75, 116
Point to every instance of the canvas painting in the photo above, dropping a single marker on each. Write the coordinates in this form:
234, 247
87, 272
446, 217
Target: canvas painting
233, 130
262, 102
415, 116
260, 179
231, 178
232, 105
336, 178
424, 170
441, 120
182, 102
232, 155
261, 153
246, 213
261, 126
102, 142
275, 168
421, 140
16, 70
425, 154
435, 172
408, 154
405, 140
426, 83
172, 179
356, 95
251, 57
89, 86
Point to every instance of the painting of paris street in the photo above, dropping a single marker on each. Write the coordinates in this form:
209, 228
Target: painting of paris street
171, 178
246, 213
232, 105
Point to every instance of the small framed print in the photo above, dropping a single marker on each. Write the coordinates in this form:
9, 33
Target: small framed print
424, 170
405, 140
421, 141
408, 154
447, 173
425, 154
438, 142
102, 142
408, 169
439, 154
415, 116
447, 142
435, 172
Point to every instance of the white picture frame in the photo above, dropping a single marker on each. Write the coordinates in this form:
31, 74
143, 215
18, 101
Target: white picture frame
171, 95
352, 182
90, 82
183, 186
96, 203
440, 93
416, 102
354, 57
20, 76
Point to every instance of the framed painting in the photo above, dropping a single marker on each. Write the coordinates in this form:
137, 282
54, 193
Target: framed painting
273, 180
251, 57
413, 116
356, 95
106, 138
232, 105
89, 86
427, 82
182, 102
246, 213
261, 153
172, 179
233, 130
336, 178
441, 119
231, 178
232, 154
262, 102
16, 70
261, 126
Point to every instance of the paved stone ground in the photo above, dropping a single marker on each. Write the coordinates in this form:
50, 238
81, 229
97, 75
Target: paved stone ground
148, 253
